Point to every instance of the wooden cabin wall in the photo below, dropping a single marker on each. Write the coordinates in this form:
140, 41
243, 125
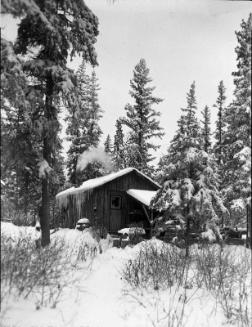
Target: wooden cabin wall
101, 197
120, 186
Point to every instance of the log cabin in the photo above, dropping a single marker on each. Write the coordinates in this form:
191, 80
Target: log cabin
115, 201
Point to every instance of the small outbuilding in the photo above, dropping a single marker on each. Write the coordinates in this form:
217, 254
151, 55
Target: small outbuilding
115, 201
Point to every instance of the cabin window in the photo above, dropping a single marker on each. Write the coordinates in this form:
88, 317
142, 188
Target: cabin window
116, 202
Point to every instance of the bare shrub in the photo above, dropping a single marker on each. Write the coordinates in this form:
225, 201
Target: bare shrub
42, 273
26, 270
85, 251
160, 266
206, 261
160, 310
156, 266
16, 257
223, 270
227, 277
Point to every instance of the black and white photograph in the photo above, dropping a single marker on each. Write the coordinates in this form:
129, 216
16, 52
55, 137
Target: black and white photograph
126, 163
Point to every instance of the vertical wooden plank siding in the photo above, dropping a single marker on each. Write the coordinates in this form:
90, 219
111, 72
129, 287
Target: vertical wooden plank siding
101, 197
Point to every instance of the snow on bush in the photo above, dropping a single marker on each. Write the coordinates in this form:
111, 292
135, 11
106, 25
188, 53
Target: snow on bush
238, 205
28, 271
73, 239
222, 271
208, 236
132, 231
14, 232
77, 244
155, 265
226, 273
42, 273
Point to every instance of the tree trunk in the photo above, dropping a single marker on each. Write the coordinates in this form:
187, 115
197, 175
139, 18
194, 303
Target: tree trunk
47, 155
75, 179
187, 233
45, 213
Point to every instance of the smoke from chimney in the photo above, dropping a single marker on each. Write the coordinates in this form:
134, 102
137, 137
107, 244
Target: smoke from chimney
92, 155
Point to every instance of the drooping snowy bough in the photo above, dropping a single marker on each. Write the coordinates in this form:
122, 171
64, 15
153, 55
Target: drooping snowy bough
190, 180
190, 191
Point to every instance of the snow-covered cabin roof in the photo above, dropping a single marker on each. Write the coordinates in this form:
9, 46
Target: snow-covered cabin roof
142, 196
99, 181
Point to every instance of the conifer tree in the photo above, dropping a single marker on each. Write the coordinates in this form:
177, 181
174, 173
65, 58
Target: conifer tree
220, 124
63, 28
206, 131
237, 137
94, 130
83, 130
160, 172
76, 121
191, 128
142, 119
108, 145
190, 189
119, 151
20, 7
21, 142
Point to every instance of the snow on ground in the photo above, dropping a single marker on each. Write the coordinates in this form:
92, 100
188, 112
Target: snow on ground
102, 299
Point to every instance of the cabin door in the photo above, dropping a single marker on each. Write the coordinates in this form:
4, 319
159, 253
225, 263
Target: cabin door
116, 202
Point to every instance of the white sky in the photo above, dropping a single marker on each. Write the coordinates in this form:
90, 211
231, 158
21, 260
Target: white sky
181, 40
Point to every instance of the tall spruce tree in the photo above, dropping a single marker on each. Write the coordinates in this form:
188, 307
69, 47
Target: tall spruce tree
191, 128
160, 172
206, 130
142, 119
220, 124
119, 151
76, 121
21, 141
190, 190
83, 130
108, 147
95, 131
237, 137
61, 29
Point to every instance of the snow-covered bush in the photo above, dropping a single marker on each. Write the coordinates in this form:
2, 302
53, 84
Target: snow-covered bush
79, 246
156, 265
208, 236
42, 273
133, 234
